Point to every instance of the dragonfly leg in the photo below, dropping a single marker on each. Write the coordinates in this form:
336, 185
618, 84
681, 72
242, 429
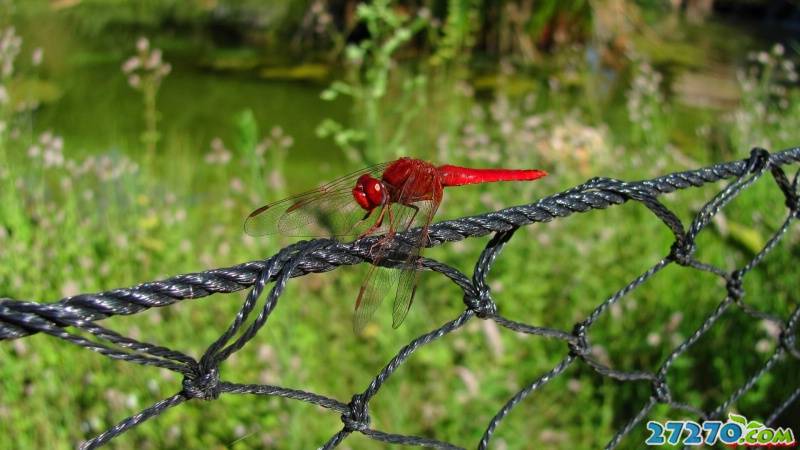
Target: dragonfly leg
416, 210
391, 222
377, 223
361, 221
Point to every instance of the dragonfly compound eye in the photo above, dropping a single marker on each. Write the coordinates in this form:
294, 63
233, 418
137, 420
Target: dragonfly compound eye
375, 192
368, 192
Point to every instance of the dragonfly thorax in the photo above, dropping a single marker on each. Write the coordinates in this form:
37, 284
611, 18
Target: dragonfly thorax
370, 192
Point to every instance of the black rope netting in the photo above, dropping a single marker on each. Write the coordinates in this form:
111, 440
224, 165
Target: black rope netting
201, 378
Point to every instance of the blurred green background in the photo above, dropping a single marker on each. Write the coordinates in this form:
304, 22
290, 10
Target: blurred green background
135, 136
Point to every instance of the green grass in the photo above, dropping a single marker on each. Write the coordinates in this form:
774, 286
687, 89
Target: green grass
67, 230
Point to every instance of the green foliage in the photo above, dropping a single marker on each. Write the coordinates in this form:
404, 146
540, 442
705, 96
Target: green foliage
648, 113
458, 34
768, 117
145, 71
369, 139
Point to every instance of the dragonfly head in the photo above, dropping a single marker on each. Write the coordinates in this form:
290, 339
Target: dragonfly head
369, 192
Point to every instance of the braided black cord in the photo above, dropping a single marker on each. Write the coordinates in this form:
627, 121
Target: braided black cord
201, 378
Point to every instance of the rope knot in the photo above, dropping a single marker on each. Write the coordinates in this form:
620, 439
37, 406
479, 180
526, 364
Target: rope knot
682, 251
483, 305
759, 157
204, 386
661, 391
734, 286
580, 346
357, 418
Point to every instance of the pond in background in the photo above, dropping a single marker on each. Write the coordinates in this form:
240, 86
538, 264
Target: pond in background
96, 111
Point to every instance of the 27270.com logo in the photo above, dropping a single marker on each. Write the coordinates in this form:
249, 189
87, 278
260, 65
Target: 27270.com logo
736, 431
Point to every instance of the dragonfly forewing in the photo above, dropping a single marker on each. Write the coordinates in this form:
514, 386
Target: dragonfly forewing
329, 210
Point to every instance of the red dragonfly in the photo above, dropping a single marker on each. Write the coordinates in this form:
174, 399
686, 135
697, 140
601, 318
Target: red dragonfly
383, 199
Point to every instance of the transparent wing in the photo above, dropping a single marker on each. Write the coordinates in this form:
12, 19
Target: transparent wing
373, 290
330, 206
409, 275
332, 213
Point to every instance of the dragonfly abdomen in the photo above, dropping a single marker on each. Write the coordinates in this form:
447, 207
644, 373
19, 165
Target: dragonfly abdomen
459, 176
